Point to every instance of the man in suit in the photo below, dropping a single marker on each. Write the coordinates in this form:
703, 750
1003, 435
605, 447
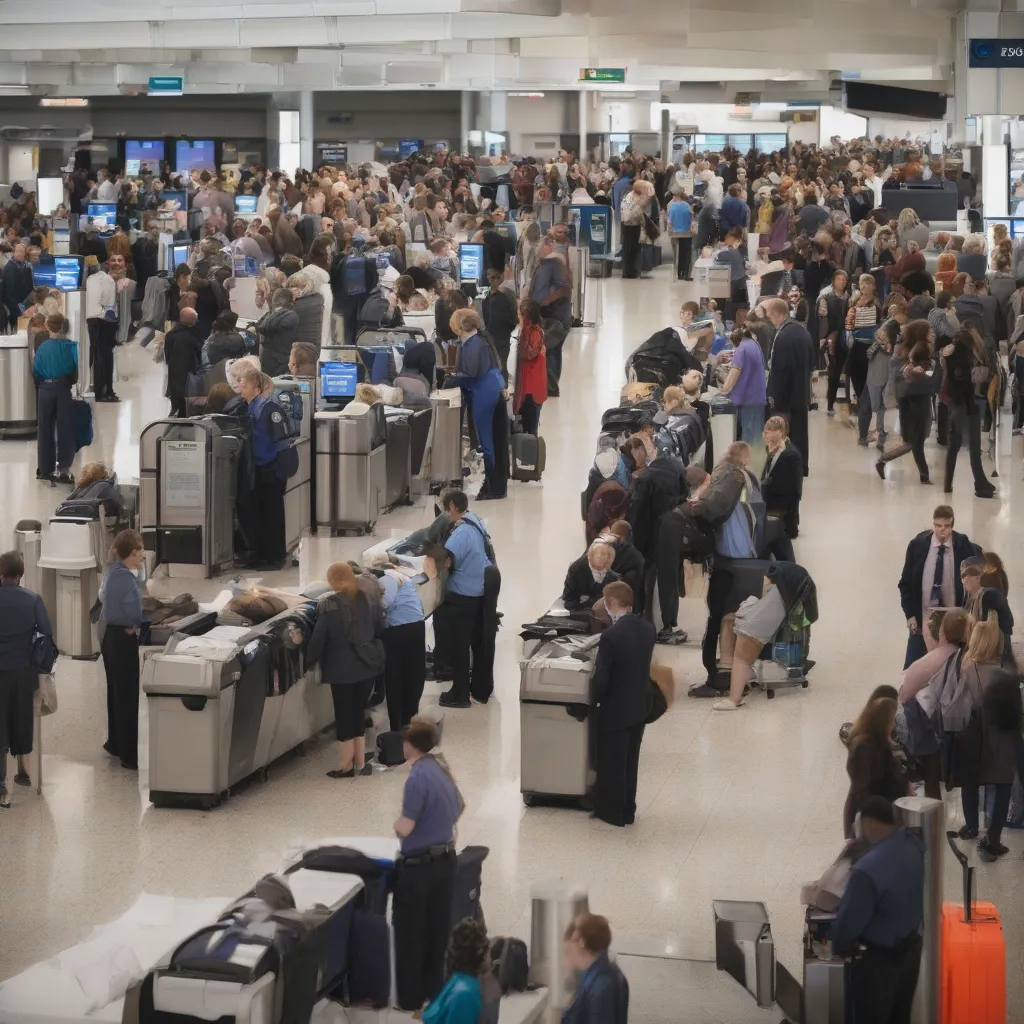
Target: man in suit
603, 992
622, 680
931, 576
789, 373
782, 479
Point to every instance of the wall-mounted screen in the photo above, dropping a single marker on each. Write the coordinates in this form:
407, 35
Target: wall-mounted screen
197, 155
338, 380
147, 151
63, 273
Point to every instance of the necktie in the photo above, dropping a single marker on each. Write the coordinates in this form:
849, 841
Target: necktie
940, 559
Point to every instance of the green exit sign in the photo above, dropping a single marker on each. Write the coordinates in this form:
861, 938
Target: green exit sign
166, 85
602, 74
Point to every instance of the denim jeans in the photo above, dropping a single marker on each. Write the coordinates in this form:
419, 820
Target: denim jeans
871, 402
751, 424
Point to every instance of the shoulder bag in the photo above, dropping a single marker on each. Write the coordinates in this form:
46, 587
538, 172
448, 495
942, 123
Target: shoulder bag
44, 653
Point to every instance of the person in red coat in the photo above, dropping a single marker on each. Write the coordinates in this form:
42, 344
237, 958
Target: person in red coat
531, 366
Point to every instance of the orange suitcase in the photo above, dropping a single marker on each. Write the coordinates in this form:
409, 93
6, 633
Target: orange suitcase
973, 957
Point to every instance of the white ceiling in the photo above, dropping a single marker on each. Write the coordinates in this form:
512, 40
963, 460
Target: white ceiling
265, 46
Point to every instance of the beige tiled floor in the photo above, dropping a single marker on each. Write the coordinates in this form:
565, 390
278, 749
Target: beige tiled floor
745, 805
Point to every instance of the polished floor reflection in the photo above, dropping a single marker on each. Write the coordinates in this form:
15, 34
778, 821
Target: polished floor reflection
744, 806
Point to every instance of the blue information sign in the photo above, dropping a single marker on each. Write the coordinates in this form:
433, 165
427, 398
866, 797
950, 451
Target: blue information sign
996, 53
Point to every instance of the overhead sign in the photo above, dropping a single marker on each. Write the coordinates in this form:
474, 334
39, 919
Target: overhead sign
334, 154
602, 74
996, 53
166, 85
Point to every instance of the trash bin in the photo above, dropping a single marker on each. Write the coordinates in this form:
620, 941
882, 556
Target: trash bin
555, 906
28, 539
744, 947
69, 549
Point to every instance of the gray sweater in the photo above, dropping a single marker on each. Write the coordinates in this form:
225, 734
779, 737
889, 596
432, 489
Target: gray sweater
122, 599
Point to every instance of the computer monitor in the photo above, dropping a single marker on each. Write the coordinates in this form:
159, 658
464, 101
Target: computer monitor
338, 380
179, 254
102, 215
61, 272
246, 204
175, 196
138, 152
471, 262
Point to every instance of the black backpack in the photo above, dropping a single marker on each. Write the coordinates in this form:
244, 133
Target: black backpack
511, 964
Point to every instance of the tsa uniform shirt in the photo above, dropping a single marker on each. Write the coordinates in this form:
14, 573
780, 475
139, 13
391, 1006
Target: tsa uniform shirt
469, 554
401, 600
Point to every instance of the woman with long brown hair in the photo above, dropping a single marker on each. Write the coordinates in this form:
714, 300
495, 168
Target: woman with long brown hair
912, 376
871, 764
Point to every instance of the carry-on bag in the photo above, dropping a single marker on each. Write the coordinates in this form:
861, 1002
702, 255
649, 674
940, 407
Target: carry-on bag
469, 866
973, 956
82, 412
529, 455
377, 875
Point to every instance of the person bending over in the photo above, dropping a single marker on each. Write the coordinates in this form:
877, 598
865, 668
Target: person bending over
587, 577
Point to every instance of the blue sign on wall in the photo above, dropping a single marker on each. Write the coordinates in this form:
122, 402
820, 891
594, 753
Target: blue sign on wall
996, 53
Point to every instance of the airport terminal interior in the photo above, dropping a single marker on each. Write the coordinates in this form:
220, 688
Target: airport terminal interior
745, 806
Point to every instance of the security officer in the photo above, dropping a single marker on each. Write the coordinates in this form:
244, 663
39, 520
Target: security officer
56, 371
467, 618
273, 431
422, 908
405, 654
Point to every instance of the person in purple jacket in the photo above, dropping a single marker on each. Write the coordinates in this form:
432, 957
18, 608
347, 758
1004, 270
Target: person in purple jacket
745, 384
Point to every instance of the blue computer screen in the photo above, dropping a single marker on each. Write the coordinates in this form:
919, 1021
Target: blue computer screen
137, 153
471, 261
196, 155
179, 254
338, 380
103, 215
245, 204
63, 272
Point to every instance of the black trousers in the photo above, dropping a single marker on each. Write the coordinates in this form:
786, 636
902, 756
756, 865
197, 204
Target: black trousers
103, 338
178, 406
1001, 806
17, 688
857, 367
836, 361
672, 549
630, 250
529, 415
422, 921
797, 420
965, 421
915, 415
405, 669
268, 514
882, 984
120, 650
55, 433
618, 758
719, 589
684, 254
468, 625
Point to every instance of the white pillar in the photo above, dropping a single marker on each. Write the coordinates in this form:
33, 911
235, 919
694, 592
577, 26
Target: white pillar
498, 120
306, 129
272, 157
995, 180
584, 156
465, 120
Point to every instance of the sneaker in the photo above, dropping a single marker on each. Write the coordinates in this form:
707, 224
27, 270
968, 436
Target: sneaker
997, 848
449, 699
23, 779
65, 478
844, 733
367, 769
727, 705
989, 852
862, 441
831, 414
967, 833
668, 635
988, 492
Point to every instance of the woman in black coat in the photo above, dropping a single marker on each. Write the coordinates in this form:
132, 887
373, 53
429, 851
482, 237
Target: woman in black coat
347, 644
872, 765
782, 479
182, 353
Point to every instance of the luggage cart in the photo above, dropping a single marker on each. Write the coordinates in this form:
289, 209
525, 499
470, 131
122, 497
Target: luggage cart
784, 661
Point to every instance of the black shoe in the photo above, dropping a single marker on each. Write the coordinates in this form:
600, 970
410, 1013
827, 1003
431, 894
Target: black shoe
43, 476
668, 635
112, 398
925, 478
988, 492
480, 700
449, 699
367, 769
339, 774
490, 497
704, 690
130, 766
880, 468
65, 478
967, 833
110, 750
989, 852
22, 779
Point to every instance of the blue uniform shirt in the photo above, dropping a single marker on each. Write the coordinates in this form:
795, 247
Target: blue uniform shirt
264, 445
469, 553
122, 599
401, 601
56, 358
680, 216
431, 800
884, 899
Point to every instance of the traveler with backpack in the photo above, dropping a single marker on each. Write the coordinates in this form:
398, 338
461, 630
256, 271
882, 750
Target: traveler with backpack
353, 277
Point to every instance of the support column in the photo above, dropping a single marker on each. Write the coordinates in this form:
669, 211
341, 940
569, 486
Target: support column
666, 136
465, 120
995, 171
272, 157
584, 156
306, 127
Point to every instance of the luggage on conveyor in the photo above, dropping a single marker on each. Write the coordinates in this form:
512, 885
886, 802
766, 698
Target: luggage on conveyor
189, 625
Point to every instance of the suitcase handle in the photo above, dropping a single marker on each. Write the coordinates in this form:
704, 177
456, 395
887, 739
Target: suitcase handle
951, 838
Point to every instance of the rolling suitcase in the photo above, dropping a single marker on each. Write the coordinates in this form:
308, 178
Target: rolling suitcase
83, 423
469, 868
973, 956
398, 458
529, 454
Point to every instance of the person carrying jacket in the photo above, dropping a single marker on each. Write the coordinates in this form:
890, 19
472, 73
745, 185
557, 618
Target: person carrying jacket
277, 331
346, 643
183, 350
602, 995
621, 686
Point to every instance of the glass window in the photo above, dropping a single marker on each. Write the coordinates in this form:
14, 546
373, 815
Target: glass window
770, 143
711, 143
740, 142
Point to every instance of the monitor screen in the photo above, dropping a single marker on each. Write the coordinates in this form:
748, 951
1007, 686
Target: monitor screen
471, 261
102, 215
194, 156
338, 380
245, 204
136, 153
63, 273
179, 254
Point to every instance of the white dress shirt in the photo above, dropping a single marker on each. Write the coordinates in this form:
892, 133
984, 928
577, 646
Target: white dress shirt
948, 590
100, 295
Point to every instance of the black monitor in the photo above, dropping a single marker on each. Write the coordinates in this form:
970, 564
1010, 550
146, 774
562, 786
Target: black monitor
338, 381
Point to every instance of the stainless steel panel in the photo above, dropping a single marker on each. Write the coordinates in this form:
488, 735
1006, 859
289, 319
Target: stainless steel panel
17, 389
554, 906
744, 947
446, 445
555, 751
546, 678
824, 1000
324, 498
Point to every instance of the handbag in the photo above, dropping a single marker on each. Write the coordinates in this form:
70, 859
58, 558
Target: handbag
47, 694
651, 228
962, 762
921, 738
43, 654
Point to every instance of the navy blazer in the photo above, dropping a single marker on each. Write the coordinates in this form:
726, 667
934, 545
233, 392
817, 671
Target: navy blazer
602, 998
911, 593
622, 676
